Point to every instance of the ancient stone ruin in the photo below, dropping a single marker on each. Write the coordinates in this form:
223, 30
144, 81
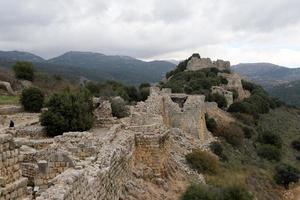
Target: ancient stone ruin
127, 159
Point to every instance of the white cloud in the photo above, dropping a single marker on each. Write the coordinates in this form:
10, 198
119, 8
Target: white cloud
240, 31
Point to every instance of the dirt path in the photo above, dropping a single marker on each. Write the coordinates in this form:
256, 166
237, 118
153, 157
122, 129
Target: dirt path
297, 193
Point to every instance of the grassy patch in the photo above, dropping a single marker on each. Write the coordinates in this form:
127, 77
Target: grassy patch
9, 100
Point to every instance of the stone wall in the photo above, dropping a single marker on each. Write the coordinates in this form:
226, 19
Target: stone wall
196, 63
12, 185
102, 178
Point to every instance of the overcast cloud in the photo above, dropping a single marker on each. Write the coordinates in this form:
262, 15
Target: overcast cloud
235, 30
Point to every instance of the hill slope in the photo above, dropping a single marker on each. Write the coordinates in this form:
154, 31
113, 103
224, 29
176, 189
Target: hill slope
94, 66
287, 92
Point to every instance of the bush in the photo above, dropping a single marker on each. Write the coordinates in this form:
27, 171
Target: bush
24, 70
248, 132
286, 174
68, 112
216, 148
233, 134
144, 89
32, 99
211, 123
119, 108
269, 152
241, 107
199, 192
270, 138
203, 161
205, 192
219, 99
296, 144
236, 193
235, 94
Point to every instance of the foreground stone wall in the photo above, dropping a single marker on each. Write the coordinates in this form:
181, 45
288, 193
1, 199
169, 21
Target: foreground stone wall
12, 185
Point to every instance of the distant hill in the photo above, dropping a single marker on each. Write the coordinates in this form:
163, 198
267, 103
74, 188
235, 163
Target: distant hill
94, 66
267, 74
19, 55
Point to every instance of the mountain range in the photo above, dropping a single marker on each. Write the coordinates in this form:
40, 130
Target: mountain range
93, 66
267, 74
279, 81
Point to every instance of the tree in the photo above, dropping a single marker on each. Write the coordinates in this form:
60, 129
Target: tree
24, 70
68, 112
286, 174
32, 99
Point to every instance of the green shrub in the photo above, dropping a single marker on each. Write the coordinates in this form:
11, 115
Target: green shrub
233, 134
32, 99
236, 193
241, 107
286, 174
248, 132
68, 112
205, 192
24, 70
211, 123
296, 144
200, 192
219, 99
269, 152
119, 108
203, 161
268, 137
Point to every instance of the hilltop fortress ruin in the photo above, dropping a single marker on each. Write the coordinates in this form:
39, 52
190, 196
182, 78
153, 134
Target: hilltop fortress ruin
138, 157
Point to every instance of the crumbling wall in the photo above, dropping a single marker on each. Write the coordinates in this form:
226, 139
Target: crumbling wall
12, 185
196, 63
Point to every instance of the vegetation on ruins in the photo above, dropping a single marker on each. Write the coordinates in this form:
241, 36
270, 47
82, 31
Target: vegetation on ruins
194, 82
204, 192
32, 99
203, 161
68, 111
24, 70
119, 108
219, 99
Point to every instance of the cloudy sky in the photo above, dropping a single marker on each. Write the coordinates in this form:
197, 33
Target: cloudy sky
235, 30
